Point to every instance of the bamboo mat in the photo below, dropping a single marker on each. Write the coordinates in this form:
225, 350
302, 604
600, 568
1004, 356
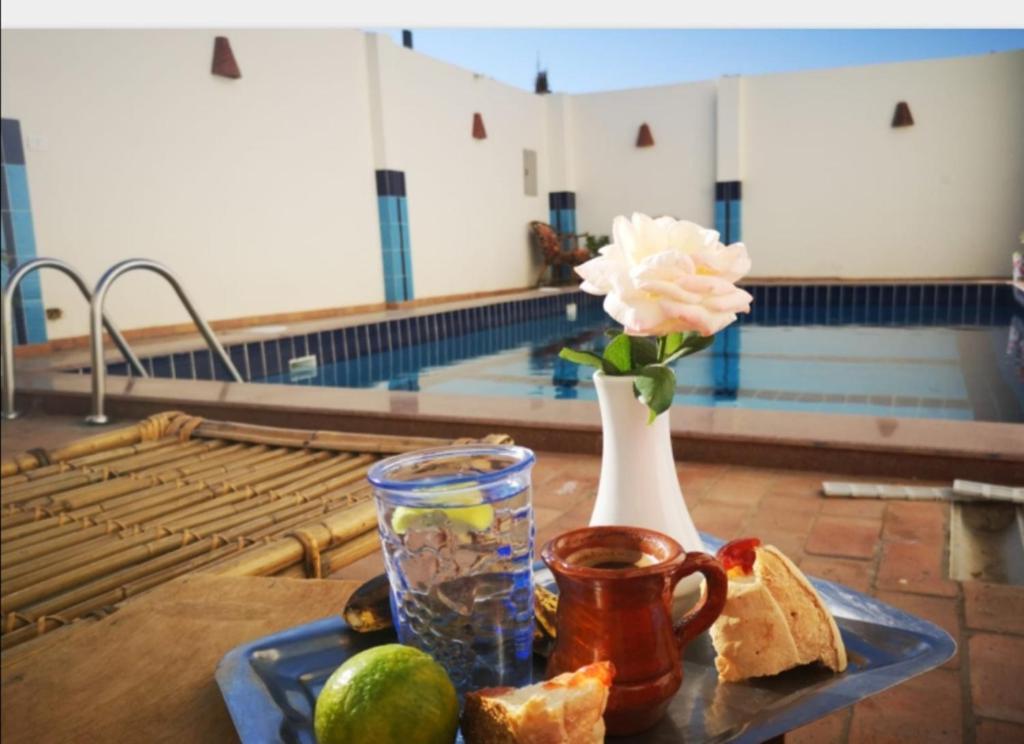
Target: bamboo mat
105, 518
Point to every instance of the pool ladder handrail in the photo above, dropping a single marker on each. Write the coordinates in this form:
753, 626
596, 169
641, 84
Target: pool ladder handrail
7, 324
99, 296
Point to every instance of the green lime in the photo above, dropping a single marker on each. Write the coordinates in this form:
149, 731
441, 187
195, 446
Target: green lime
391, 694
476, 517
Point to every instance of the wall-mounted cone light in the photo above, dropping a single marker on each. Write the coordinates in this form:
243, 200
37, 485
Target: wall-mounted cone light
478, 127
644, 138
224, 63
901, 116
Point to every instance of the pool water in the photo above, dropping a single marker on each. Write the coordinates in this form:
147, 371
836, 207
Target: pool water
914, 362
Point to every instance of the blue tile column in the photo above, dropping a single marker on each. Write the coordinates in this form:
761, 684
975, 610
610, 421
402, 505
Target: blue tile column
562, 208
726, 362
728, 217
17, 240
726, 350
396, 248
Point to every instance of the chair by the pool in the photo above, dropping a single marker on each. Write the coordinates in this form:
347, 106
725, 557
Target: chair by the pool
552, 247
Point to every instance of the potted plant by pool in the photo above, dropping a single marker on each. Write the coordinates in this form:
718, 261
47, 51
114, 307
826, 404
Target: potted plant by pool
671, 284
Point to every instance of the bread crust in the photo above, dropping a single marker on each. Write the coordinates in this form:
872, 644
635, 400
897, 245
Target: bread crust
567, 709
774, 621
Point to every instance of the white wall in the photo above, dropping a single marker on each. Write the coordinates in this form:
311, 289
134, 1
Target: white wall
468, 213
613, 176
830, 189
259, 192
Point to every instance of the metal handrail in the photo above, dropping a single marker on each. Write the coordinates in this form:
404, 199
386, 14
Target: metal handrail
7, 323
99, 296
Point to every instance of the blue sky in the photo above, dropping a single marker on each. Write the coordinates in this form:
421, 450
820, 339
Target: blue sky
585, 60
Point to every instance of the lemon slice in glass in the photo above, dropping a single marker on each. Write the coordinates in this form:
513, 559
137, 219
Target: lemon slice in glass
476, 517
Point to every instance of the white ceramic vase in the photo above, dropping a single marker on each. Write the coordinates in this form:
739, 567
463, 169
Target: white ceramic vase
639, 486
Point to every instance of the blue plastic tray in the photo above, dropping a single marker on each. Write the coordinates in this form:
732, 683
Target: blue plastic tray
271, 684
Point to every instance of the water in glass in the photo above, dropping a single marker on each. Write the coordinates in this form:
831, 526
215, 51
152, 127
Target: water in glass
457, 528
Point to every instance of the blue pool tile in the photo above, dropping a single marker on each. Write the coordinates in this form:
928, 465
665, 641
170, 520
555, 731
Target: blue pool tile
182, 365
914, 296
972, 296
901, 304
956, 295
372, 338
411, 331
349, 343
17, 187
254, 353
162, 366
35, 320
326, 351
24, 235
356, 342
272, 354
338, 338
720, 223
872, 305
237, 355
203, 362
313, 346
403, 212
220, 371
31, 287
289, 350
860, 295
394, 287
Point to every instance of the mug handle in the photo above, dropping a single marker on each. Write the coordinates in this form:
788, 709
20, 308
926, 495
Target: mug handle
707, 610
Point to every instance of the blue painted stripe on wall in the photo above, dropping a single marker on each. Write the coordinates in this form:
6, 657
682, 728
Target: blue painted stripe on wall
16, 186
35, 321
396, 248
17, 238
720, 224
11, 150
735, 222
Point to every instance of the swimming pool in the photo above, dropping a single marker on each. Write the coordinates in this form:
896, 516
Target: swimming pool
843, 357
952, 351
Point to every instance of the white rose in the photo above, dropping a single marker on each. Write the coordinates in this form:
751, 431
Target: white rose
665, 276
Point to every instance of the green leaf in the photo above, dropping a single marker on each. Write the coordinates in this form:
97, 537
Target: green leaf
619, 354
588, 358
612, 332
644, 351
691, 345
671, 343
655, 386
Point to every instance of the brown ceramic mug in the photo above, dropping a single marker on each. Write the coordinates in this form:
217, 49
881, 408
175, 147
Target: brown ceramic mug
614, 604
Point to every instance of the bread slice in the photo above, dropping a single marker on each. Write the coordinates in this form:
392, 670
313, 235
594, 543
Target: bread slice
567, 709
774, 620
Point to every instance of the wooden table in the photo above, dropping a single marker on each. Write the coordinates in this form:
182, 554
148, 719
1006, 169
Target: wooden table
145, 673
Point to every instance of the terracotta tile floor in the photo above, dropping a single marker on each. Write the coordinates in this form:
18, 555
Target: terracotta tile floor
893, 550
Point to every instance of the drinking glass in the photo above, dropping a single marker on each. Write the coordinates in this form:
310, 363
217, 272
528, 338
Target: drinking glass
457, 529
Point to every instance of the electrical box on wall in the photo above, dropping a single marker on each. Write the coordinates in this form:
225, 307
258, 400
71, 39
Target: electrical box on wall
530, 172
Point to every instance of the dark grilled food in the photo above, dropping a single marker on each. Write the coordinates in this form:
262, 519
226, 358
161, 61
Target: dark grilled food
369, 607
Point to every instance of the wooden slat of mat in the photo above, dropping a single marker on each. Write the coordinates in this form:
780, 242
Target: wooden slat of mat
145, 673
